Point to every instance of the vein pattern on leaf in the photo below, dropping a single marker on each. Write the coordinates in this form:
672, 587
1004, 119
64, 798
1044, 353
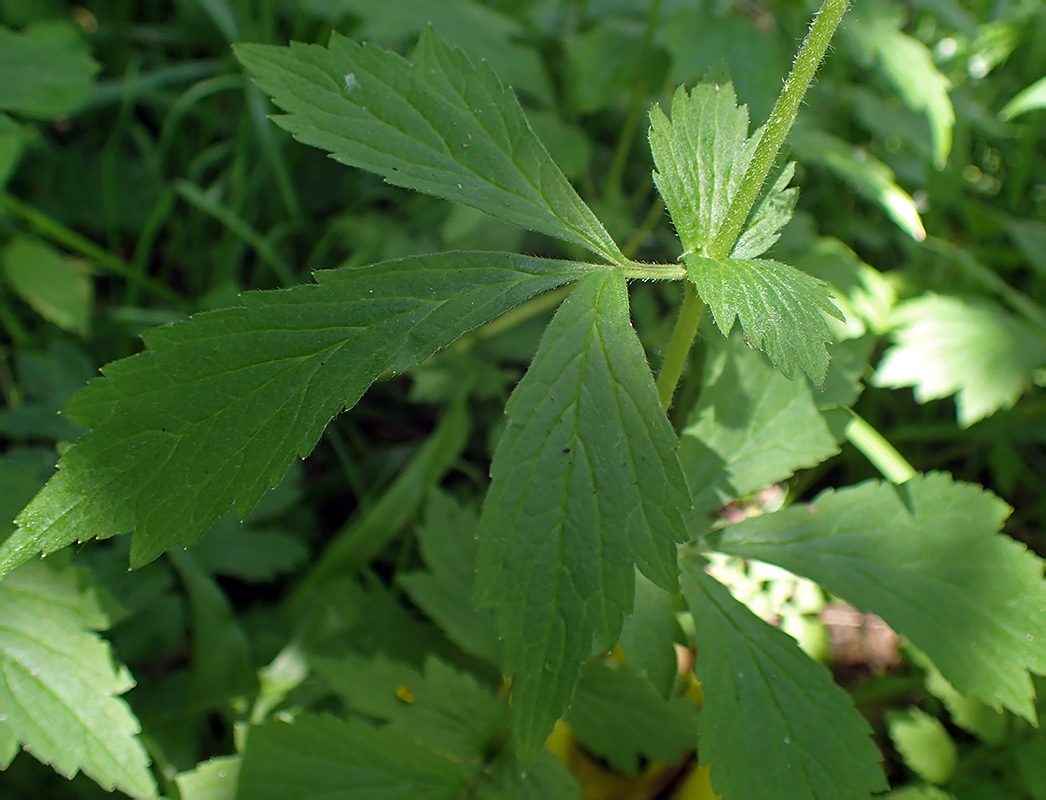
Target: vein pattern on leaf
58, 685
213, 413
438, 125
779, 307
585, 484
767, 705
917, 554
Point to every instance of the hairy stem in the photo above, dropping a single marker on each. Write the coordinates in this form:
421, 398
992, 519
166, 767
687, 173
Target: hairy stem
683, 336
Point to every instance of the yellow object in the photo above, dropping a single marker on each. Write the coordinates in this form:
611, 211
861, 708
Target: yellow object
697, 786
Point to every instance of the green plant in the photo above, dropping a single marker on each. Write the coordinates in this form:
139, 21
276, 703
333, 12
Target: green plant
590, 480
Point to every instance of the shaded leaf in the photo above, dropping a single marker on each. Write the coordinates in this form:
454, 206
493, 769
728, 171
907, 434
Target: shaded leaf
46, 71
438, 125
773, 725
57, 288
585, 484
926, 557
649, 635
923, 743
780, 309
213, 413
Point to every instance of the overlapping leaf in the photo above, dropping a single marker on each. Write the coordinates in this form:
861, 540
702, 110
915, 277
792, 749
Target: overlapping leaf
213, 413
585, 484
58, 685
438, 125
780, 309
972, 349
917, 554
773, 725
750, 427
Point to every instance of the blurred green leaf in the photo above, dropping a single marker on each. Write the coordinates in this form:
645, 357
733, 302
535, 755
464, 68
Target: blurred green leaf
1030, 99
46, 71
609, 61
58, 288
649, 635
971, 348
214, 779
923, 743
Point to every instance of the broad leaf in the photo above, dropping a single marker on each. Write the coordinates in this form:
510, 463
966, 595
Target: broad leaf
926, 557
751, 427
923, 742
58, 685
649, 635
45, 71
214, 779
57, 288
320, 757
438, 125
773, 724
620, 717
447, 539
781, 310
970, 348
585, 484
701, 156
546, 779
213, 413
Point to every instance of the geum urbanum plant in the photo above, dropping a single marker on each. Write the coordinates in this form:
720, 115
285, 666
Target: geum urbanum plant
589, 481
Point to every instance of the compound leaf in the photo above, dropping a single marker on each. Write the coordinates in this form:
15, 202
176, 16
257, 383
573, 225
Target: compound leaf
213, 413
780, 308
438, 125
773, 725
585, 484
926, 557
319, 757
970, 348
751, 427
58, 685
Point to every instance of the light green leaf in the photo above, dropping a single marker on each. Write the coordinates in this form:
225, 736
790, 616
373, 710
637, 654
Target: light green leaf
585, 485
438, 125
867, 175
926, 557
973, 349
751, 427
58, 289
923, 743
1029, 99
320, 757
769, 216
46, 71
213, 413
701, 156
58, 685
781, 310
620, 717
447, 539
875, 32
649, 635
214, 779
773, 725
9, 747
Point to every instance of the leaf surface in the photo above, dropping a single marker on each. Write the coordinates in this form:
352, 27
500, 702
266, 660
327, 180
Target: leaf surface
750, 427
649, 635
438, 125
57, 288
59, 688
773, 725
926, 557
779, 307
216, 409
320, 757
585, 485
45, 71
973, 349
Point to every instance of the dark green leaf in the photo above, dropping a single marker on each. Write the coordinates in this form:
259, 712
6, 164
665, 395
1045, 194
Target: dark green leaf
649, 635
773, 724
213, 413
438, 125
585, 485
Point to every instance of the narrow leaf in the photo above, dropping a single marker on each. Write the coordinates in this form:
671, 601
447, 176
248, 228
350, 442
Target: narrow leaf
58, 685
773, 725
585, 485
213, 413
926, 557
780, 309
751, 427
438, 125
320, 757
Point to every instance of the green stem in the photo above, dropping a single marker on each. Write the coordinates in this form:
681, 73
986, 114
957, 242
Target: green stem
777, 126
876, 449
683, 336
58, 233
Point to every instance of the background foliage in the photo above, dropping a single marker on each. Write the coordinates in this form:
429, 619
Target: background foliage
142, 182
